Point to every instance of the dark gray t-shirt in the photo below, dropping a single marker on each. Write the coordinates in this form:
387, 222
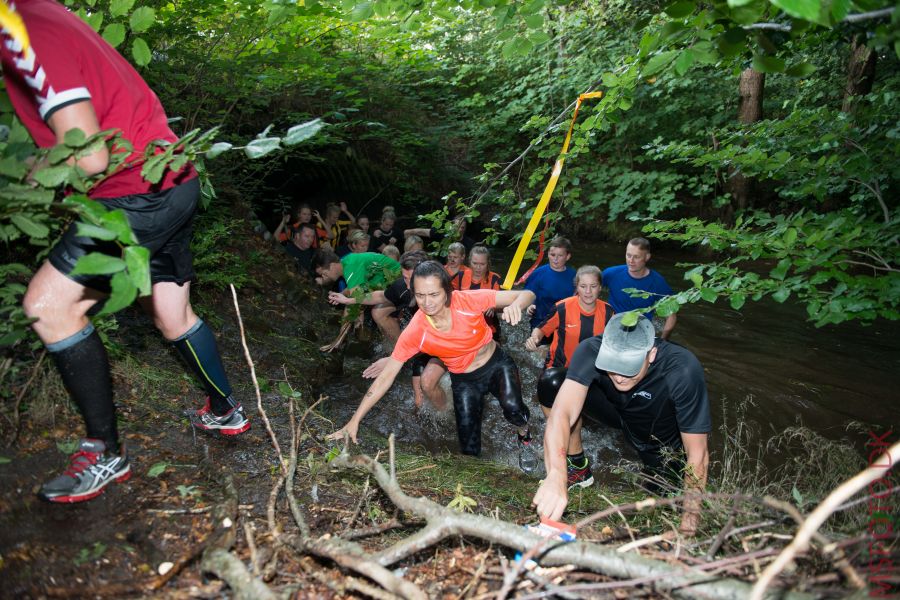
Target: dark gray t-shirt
669, 400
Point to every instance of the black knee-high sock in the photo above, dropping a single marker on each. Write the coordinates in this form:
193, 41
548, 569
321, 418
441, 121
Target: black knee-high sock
84, 366
199, 350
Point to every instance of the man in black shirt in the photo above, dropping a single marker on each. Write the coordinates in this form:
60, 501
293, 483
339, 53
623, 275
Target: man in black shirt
301, 248
652, 389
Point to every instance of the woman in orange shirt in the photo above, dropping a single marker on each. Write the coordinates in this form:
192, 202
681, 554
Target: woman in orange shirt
572, 321
450, 326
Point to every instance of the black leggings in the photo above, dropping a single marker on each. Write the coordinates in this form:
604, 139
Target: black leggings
499, 376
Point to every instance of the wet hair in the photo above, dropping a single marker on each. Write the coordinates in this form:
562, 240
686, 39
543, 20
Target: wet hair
457, 248
357, 235
588, 270
411, 260
481, 250
303, 226
324, 258
391, 251
561, 242
410, 240
431, 268
642, 243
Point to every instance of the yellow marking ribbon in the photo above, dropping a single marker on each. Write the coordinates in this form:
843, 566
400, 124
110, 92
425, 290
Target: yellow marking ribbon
545, 198
12, 22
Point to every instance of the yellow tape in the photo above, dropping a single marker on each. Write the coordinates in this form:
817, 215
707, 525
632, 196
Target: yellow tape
12, 22
545, 198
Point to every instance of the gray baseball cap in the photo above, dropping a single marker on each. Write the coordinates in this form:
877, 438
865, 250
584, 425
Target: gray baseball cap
624, 348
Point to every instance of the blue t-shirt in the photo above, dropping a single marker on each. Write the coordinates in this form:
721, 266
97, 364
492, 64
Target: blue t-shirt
549, 287
616, 279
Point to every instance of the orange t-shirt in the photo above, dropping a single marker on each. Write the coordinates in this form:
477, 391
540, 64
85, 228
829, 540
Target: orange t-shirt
457, 347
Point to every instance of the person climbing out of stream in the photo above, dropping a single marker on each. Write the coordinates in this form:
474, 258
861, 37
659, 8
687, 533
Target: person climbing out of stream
654, 391
450, 326
70, 78
456, 266
573, 320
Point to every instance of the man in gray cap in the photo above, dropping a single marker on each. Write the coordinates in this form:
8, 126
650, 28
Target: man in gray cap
652, 389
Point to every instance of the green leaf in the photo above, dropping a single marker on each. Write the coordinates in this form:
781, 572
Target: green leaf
798, 497
658, 62
140, 51
630, 318
74, 138
52, 176
284, 388
122, 294
790, 236
362, 11
95, 20
117, 8
95, 232
217, 149
142, 19
303, 131
114, 34
781, 294
115, 220
98, 264
736, 3
684, 62
801, 9
679, 10
260, 147
781, 269
516, 47
137, 259
708, 294
157, 469
803, 69
737, 301
534, 21
768, 64
839, 9
29, 227
4, 460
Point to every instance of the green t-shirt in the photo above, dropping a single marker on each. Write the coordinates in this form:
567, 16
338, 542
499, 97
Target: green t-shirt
371, 269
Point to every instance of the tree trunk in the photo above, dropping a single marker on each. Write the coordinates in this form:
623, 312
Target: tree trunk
860, 72
751, 88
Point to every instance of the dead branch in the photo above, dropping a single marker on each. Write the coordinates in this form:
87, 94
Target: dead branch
341, 336
441, 520
259, 406
16, 419
825, 509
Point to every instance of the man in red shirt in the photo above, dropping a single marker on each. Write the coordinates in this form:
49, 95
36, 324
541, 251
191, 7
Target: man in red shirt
68, 78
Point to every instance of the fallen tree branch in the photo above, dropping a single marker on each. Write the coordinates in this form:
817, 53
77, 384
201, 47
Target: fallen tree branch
825, 509
678, 580
341, 336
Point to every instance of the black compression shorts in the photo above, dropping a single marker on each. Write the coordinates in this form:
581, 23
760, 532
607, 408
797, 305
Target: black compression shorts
162, 222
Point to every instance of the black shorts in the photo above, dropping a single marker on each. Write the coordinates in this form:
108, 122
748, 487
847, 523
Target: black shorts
162, 223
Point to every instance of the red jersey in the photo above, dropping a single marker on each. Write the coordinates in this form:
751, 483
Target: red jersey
457, 347
569, 325
67, 63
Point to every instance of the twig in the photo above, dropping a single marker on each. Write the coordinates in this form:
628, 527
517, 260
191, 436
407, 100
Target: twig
723, 533
251, 545
824, 510
619, 512
642, 542
342, 335
391, 458
259, 406
355, 534
16, 419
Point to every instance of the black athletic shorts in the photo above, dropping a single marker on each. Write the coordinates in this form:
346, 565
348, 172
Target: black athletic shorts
162, 222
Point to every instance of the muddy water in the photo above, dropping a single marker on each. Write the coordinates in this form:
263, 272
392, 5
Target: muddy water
793, 372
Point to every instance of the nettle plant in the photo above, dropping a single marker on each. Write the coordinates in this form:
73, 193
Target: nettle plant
42, 190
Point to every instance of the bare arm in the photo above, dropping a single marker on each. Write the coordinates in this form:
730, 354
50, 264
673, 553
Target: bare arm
375, 392
344, 210
513, 303
371, 299
419, 231
695, 446
280, 229
669, 326
80, 115
552, 495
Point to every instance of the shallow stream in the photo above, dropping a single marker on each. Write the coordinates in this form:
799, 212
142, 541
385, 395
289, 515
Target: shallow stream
793, 373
